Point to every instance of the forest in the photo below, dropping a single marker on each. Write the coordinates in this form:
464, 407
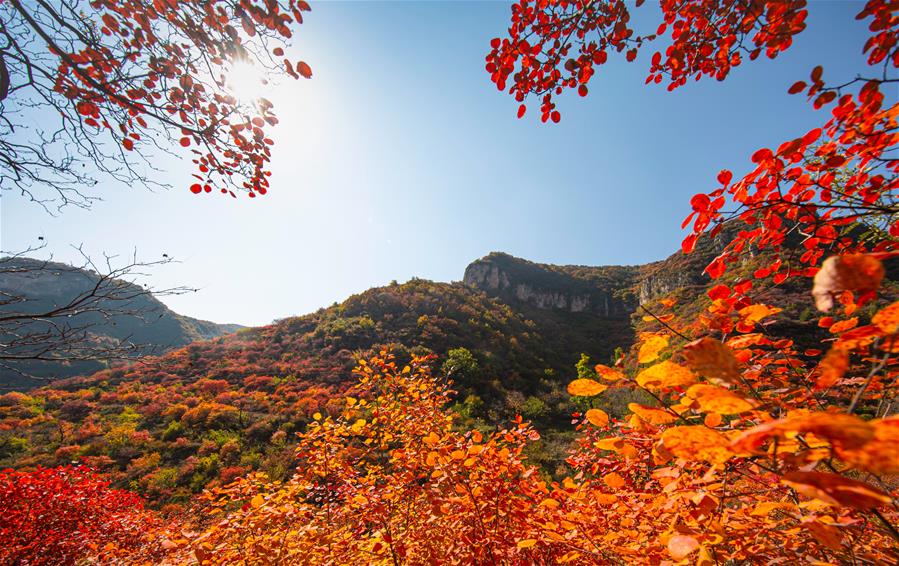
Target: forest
733, 403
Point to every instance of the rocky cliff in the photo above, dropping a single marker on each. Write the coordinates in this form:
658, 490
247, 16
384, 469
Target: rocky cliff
604, 291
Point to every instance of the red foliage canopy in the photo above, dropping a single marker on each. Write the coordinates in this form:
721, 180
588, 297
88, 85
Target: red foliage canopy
57, 515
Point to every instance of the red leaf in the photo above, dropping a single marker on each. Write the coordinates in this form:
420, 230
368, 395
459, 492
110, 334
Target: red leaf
797, 87
304, 69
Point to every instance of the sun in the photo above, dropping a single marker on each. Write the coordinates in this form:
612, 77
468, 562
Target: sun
247, 82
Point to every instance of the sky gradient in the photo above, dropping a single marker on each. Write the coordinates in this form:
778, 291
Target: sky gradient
400, 159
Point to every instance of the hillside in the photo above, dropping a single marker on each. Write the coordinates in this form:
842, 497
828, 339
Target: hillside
215, 409
124, 314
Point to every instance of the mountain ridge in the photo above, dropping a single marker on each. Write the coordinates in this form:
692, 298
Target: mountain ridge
214, 409
127, 313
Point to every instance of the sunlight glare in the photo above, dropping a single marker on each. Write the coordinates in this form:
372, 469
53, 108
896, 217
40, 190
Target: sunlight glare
246, 82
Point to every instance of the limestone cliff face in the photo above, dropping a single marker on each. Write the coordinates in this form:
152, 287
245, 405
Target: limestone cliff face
607, 291
663, 282
602, 291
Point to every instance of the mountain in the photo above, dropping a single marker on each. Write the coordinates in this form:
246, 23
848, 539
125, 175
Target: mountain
115, 312
509, 336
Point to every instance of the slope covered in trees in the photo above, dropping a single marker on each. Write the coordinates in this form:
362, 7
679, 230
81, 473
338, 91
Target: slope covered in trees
216, 409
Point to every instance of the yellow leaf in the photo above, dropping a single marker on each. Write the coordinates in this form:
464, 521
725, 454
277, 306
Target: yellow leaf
598, 418
665, 374
527, 543
257, 501
653, 343
585, 388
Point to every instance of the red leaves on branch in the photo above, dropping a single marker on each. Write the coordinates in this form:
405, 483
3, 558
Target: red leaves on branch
147, 53
554, 46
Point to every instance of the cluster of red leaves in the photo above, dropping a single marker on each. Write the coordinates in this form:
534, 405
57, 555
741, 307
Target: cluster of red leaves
165, 63
820, 185
60, 515
554, 45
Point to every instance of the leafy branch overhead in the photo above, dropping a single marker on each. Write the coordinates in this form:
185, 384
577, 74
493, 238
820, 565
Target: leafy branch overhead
128, 80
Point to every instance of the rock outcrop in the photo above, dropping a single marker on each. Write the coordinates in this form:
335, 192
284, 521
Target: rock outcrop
604, 291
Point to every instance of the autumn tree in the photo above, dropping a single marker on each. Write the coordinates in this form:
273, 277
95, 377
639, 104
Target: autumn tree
386, 480
834, 186
97, 89
753, 449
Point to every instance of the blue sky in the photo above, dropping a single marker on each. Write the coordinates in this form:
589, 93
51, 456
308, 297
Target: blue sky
400, 158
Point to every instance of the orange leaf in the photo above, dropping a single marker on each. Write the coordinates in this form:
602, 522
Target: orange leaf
714, 399
651, 415
652, 344
879, 455
843, 431
665, 374
746, 340
887, 319
858, 338
851, 272
585, 388
832, 368
681, 546
844, 325
836, 489
527, 543
613, 480
755, 313
598, 418
696, 443
607, 373
712, 420
711, 358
